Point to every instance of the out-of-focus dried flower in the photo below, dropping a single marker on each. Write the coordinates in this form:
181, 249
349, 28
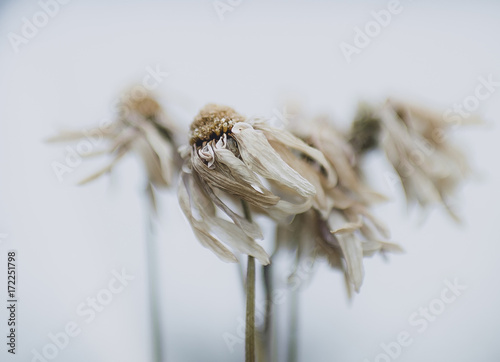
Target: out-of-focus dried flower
141, 126
231, 159
340, 226
416, 143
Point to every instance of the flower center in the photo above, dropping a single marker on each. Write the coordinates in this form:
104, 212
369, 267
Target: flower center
143, 104
213, 121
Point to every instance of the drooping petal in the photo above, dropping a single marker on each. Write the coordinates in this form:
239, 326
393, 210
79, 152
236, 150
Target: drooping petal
104, 170
232, 235
260, 157
353, 255
286, 138
164, 150
249, 227
358, 210
200, 228
284, 211
310, 173
216, 178
151, 162
213, 230
239, 170
340, 225
75, 135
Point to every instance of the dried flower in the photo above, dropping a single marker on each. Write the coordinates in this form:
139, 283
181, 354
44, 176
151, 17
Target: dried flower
340, 226
141, 126
415, 142
232, 159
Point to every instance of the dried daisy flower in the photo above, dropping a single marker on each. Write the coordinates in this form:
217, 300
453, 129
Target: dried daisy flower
231, 159
233, 163
415, 141
340, 226
141, 126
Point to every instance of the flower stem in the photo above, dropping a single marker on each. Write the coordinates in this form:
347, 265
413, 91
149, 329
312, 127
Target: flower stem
293, 327
154, 307
250, 302
267, 330
250, 320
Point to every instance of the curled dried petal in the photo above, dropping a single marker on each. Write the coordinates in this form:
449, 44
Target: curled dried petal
260, 157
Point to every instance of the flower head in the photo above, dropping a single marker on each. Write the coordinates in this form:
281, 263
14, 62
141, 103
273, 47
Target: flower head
141, 126
416, 144
230, 160
340, 226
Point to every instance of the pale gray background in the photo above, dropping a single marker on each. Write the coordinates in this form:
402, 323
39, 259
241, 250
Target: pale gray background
70, 238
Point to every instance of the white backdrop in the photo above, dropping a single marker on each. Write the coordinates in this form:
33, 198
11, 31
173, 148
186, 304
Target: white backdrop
70, 239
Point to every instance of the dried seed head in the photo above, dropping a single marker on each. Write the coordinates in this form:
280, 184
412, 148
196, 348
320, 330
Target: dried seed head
365, 131
212, 121
145, 106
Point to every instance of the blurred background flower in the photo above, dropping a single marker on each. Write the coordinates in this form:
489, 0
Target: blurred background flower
141, 126
416, 142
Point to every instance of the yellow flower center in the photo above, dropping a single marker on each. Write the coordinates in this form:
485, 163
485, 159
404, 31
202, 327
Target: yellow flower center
213, 121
